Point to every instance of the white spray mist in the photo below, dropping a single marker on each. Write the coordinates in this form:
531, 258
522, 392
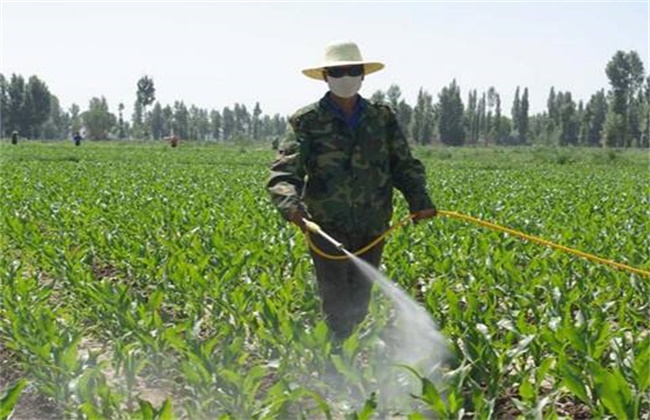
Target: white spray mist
413, 340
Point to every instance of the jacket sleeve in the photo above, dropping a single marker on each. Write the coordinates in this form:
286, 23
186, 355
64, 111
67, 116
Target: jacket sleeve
408, 173
287, 178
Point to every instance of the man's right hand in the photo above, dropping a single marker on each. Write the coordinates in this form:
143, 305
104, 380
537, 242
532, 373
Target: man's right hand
297, 217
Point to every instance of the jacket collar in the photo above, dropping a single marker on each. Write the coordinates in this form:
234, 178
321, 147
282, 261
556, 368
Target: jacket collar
326, 103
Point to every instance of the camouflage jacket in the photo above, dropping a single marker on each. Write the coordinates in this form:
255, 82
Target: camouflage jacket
344, 177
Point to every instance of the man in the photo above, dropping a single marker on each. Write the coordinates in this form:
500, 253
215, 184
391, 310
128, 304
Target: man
338, 167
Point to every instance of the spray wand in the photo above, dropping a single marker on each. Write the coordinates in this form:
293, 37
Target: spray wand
314, 228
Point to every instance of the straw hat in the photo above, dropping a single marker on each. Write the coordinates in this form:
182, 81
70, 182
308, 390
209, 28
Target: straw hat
342, 53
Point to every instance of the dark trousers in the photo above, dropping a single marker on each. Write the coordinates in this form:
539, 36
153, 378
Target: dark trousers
343, 289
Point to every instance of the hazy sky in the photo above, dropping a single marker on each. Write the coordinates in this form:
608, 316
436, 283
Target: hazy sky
213, 54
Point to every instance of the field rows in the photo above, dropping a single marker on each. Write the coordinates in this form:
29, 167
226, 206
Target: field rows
140, 281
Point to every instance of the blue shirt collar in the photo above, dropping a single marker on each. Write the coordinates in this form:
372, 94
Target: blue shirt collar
354, 119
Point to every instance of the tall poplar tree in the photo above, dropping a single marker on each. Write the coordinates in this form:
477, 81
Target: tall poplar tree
645, 114
121, 130
157, 122
515, 112
181, 120
227, 123
255, 122
625, 73
523, 116
471, 117
14, 107
593, 119
450, 116
145, 96
215, 124
422, 122
569, 127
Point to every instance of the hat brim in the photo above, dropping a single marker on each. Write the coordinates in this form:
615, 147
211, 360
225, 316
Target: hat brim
369, 67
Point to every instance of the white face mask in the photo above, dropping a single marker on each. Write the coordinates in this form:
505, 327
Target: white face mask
346, 86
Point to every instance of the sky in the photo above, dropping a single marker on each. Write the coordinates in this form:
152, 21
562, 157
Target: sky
216, 54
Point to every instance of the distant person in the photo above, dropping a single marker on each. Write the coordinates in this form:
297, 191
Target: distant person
173, 140
77, 139
14, 137
338, 167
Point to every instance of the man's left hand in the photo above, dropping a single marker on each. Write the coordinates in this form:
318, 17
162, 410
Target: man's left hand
424, 214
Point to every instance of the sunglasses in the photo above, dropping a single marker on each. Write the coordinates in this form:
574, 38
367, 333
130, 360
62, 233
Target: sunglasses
337, 72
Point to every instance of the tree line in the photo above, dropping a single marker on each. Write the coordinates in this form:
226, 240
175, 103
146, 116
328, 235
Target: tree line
617, 117
30, 109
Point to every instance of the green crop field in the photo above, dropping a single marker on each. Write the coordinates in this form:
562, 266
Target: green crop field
142, 281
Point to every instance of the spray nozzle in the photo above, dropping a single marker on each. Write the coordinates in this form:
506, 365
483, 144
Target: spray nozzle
314, 228
311, 226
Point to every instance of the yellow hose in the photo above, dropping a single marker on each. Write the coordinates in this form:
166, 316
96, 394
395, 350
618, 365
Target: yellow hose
493, 226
